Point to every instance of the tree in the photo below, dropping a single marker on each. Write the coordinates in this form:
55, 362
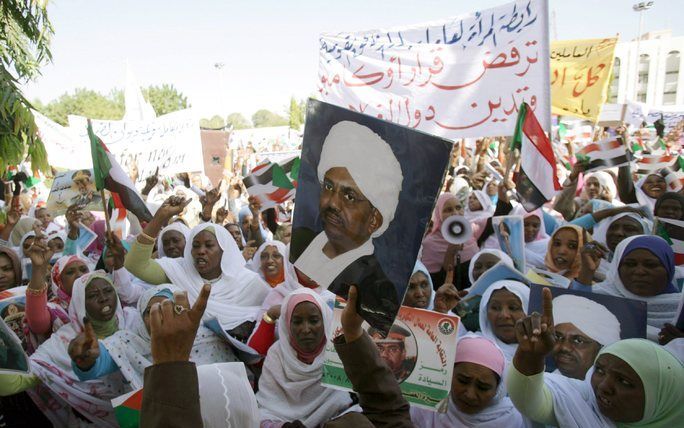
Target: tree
25, 33
264, 118
216, 122
165, 98
297, 113
88, 103
238, 121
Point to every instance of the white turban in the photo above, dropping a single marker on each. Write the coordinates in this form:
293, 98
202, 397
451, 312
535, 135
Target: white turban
593, 319
370, 162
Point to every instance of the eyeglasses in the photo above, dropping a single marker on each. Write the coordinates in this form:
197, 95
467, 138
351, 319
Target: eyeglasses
349, 196
575, 340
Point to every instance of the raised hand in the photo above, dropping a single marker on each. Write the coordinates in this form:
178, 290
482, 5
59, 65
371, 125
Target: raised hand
173, 326
254, 206
74, 215
211, 197
351, 320
39, 252
84, 349
447, 297
172, 206
535, 333
150, 182
116, 249
221, 215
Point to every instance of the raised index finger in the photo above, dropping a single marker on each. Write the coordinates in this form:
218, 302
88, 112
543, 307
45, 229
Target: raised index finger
200, 305
547, 307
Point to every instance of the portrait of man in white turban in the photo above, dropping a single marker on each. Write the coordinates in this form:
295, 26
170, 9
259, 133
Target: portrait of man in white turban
582, 328
360, 181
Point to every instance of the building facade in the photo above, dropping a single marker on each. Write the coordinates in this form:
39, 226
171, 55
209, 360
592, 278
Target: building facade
653, 75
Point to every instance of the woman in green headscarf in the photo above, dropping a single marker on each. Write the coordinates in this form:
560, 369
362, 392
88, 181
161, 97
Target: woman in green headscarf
633, 383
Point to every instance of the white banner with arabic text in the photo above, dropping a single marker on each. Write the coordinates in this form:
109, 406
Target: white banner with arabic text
460, 77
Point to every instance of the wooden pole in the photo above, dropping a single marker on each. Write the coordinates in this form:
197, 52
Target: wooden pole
106, 213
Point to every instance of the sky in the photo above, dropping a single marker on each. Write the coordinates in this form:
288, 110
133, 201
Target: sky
269, 48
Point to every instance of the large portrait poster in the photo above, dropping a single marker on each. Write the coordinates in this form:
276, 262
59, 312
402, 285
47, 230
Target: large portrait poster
365, 193
74, 188
420, 350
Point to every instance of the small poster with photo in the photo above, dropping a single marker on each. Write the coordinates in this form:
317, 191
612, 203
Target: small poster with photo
510, 232
365, 193
74, 188
13, 359
420, 349
586, 322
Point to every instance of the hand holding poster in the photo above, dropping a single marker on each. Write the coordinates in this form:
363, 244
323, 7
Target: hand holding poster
510, 232
419, 350
366, 190
579, 76
460, 77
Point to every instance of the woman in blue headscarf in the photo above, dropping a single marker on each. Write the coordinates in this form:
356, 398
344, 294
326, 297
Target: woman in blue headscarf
643, 268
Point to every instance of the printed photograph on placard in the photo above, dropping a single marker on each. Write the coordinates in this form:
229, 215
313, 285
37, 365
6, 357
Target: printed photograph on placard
586, 322
510, 232
74, 188
365, 192
420, 350
12, 357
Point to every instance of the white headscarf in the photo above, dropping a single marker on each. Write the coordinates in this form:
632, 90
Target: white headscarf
131, 348
371, 163
420, 267
641, 196
290, 389
235, 296
255, 264
592, 318
601, 229
605, 180
487, 207
515, 287
52, 364
503, 257
176, 226
20, 248
662, 308
226, 397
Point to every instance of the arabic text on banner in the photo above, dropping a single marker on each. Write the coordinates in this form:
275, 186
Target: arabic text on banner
171, 142
580, 74
460, 77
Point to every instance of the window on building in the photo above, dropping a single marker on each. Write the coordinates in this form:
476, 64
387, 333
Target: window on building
615, 82
671, 77
642, 83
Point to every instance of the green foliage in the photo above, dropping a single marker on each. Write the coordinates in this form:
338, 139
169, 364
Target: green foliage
25, 33
165, 99
88, 103
216, 122
238, 121
297, 113
264, 118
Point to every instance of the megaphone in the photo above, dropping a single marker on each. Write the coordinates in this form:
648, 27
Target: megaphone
456, 230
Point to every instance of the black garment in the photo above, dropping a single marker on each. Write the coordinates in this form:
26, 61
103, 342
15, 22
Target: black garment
378, 300
19, 411
461, 278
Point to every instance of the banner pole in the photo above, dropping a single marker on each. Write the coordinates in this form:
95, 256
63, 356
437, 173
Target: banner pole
106, 213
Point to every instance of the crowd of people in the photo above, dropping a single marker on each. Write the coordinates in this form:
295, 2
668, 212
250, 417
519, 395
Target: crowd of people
202, 308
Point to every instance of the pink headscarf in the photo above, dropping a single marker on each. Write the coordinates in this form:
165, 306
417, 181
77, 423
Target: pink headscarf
434, 244
303, 356
482, 351
61, 297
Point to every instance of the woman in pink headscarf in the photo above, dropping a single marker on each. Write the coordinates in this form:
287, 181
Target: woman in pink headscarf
438, 255
478, 395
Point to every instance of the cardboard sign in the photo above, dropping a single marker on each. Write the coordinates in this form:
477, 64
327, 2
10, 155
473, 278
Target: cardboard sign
74, 188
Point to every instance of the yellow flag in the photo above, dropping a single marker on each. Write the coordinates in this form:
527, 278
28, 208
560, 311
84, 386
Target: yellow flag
580, 74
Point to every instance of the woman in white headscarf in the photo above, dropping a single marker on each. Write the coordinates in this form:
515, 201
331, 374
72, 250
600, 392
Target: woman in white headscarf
269, 262
211, 256
479, 206
420, 293
478, 391
172, 240
605, 189
502, 305
289, 387
613, 230
226, 397
484, 260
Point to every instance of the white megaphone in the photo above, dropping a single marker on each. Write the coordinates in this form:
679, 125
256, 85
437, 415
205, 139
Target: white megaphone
456, 230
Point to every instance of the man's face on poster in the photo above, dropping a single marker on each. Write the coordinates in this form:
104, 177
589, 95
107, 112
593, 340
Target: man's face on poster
349, 219
574, 352
394, 354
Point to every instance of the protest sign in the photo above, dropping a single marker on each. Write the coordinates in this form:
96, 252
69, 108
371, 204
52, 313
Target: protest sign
365, 193
170, 142
580, 71
459, 77
420, 350
62, 144
510, 232
585, 322
74, 188
13, 359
